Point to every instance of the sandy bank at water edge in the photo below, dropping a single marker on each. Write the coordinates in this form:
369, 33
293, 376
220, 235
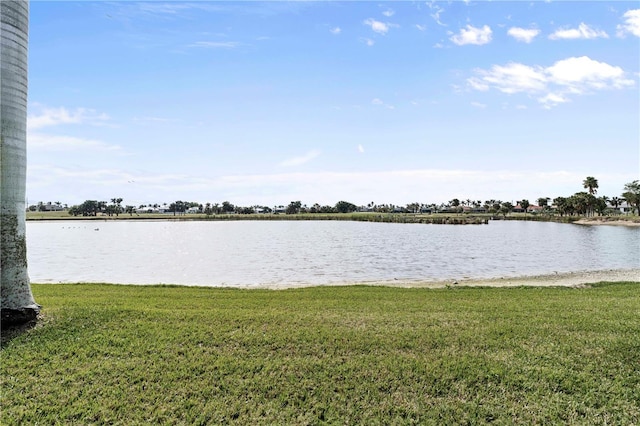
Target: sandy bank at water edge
608, 221
567, 279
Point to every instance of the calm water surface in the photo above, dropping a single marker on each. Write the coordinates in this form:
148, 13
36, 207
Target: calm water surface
259, 253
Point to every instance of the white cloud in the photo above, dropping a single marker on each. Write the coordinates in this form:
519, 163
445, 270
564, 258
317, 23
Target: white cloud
554, 84
421, 27
585, 73
478, 105
472, 35
631, 25
552, 99
298, 161
523, 34
56, 116
42, 142
335, 31
511, 78
582, 32
360, 149
377, 26
74, 185
389, 13
216, 44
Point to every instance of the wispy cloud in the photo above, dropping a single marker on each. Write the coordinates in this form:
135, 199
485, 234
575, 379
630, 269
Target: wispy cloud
631, 24
582, 32
360, 149
472, 35
478, 105
554, 84
298, 161
216, 44
369, 42
48, 117
335, 30
42, 142
436, 11
523, 34
389, 13
380, 102
153, 120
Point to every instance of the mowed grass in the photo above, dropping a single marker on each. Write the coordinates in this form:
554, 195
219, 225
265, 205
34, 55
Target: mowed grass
107, 354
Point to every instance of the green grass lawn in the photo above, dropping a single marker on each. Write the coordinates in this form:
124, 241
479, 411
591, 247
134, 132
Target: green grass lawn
106, 354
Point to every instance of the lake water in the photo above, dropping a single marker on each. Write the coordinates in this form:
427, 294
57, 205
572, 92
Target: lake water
259, 253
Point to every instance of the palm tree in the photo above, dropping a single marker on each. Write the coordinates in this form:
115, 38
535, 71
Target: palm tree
506, 208
615, 203
632, 194
543, 202
591, 184
17, 303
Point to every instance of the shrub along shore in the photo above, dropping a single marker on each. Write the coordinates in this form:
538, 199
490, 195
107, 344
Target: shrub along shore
109, 354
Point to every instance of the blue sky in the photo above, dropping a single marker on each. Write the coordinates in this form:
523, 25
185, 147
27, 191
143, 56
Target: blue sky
271, 102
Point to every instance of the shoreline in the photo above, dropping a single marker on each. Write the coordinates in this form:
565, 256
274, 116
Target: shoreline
436, 219
607, 221
564, 279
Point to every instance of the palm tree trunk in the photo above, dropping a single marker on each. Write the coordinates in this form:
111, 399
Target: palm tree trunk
17, 304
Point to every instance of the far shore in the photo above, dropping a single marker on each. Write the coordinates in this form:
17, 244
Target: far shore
436, 218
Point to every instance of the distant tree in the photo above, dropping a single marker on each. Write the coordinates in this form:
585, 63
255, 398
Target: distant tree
413, 207
582, 203
525, 205
495, 206
74, 211
615, 203
227, 207
117, 206
345, 207
601, 205
506, 208
178, 207
100, 207
562, 205
293, 207
632, 194
591, 184
130, 209
543, 202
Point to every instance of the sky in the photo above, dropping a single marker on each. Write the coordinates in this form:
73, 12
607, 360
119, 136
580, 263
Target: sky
264, 103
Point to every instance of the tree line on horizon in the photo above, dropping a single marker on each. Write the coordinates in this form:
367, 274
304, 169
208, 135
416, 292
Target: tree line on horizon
584, 203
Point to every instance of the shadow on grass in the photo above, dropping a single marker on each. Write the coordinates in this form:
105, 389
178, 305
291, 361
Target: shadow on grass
11, 331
